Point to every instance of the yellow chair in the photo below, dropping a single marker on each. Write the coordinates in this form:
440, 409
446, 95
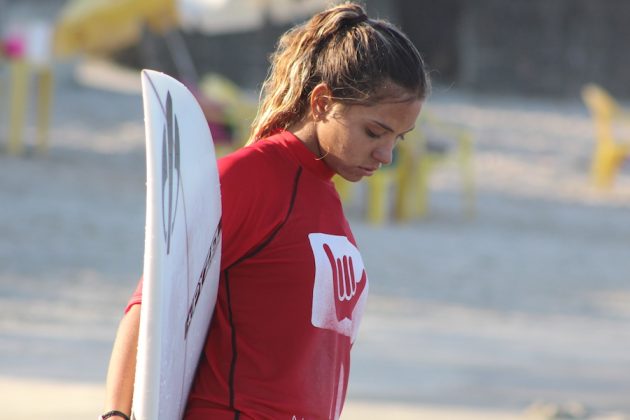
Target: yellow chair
610, 151
419, 161
21, 68
402, 190
379, 192
380, 187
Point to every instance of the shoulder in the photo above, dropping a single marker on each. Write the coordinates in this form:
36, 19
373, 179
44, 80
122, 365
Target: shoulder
256, 184
259, 163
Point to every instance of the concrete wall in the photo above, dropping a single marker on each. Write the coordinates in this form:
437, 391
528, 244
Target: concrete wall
544, 47
433, 27
532, 47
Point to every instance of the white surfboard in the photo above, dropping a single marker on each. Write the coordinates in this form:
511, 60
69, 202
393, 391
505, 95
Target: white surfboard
182, 247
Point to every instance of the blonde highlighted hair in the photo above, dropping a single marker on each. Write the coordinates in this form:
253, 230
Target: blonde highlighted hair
355, 56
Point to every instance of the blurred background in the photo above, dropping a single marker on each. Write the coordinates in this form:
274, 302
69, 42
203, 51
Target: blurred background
497, 244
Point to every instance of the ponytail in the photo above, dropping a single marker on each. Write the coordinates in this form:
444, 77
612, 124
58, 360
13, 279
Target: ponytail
342, 47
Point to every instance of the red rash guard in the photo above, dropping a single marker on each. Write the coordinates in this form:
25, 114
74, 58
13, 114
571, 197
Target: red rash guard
291, 293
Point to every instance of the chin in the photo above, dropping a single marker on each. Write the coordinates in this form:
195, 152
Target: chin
351, 177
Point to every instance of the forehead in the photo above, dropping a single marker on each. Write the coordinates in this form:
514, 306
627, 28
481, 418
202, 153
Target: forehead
399, 114
389, 91
387, 95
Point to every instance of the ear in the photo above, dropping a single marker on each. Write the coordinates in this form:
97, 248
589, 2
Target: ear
321, 101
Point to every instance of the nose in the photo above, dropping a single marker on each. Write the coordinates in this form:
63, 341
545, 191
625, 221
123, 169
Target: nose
383, 154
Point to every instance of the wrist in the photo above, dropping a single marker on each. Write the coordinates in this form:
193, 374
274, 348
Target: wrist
114, 415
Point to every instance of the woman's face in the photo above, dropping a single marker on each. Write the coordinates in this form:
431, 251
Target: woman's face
356, 140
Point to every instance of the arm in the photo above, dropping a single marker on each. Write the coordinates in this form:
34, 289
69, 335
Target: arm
122, 364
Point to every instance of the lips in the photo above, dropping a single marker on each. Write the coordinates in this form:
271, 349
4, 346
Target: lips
368, 170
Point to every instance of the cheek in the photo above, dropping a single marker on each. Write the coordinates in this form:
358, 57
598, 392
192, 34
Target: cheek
327, 137
352, 138
349, 150
345, 143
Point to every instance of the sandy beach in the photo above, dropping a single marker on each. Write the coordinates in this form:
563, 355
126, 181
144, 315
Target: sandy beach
520, 312
515, 313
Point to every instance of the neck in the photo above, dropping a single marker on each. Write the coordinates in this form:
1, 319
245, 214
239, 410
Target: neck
305, 131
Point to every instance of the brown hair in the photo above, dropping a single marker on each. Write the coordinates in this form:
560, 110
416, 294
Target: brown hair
354, 55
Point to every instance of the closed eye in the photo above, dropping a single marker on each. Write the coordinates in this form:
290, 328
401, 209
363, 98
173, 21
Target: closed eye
372, 134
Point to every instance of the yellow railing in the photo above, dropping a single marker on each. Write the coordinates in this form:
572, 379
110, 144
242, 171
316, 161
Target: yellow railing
612, 134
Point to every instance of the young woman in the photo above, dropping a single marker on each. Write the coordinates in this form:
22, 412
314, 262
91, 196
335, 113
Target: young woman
342, 91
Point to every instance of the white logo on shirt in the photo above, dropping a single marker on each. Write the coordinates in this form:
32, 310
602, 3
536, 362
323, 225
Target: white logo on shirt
341, 284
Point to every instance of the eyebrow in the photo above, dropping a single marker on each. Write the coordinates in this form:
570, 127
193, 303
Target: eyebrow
388, 128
